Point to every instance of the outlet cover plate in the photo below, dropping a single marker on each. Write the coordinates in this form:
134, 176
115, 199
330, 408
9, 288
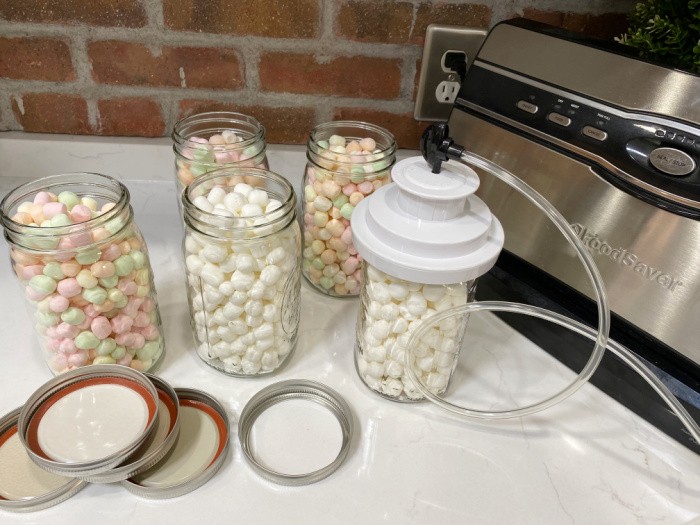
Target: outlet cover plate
440, 39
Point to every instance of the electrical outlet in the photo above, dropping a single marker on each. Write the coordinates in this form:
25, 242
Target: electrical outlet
438, 85
446, 92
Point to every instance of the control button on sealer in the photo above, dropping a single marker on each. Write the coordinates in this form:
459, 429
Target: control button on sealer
594, 133
557, 118
672, 161
527, 106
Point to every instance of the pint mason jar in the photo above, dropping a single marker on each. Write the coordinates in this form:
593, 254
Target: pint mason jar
242, 253
347, 162
84, 270
217, 139
426, 239
390, 310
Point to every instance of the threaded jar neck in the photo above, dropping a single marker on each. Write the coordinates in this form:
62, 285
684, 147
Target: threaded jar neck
321, 154
218, 226
205, 125
47, 239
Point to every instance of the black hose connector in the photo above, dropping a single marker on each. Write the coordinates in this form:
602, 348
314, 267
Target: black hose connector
437, 147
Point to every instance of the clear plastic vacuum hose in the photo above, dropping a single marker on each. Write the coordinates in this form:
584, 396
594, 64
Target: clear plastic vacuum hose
622, 352
600, 336
562, 225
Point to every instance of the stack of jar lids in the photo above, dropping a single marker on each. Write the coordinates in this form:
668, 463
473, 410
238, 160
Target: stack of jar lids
107, 424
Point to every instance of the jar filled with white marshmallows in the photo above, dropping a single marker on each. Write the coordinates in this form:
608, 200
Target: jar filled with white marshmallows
242, 253
425, 240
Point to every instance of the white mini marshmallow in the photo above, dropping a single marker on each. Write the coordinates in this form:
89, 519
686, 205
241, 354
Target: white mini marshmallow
242, 281
214, 253
203, 204
258, 197
234, 202
251, 210
243, 189
216, 195
212, 274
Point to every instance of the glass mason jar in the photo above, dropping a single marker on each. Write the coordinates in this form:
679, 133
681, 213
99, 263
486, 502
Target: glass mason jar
347, 161
390, 310
217, 139
243, 263
84, 269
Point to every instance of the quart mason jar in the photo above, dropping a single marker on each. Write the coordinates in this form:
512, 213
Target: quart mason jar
217, 139
243, 263
83, 267
347, 162
390, 310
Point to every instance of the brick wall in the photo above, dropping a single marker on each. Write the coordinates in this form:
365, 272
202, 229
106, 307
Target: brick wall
134, 67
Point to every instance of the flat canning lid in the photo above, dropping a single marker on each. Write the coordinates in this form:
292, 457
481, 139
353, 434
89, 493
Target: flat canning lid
111, 408
199, 452
159, 443
285, 391
40, 490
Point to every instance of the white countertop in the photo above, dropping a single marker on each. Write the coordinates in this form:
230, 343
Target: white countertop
588, 460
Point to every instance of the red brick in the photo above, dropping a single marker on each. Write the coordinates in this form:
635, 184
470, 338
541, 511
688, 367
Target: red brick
127, 63
375, 21
271, 18
110, 13
283, 125
470, 15
604, 26
35, 59
52, 113
342, 76
403, 126
131, 117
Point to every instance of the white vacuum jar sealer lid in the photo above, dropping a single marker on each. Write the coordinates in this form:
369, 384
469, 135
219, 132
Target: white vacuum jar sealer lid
428, 227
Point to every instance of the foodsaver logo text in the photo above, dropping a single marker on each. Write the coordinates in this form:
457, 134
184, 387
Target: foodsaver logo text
625, 258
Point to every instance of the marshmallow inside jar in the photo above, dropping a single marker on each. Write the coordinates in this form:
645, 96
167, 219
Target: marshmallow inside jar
242, 260
425, 239
207, 141
84, 270
347, 162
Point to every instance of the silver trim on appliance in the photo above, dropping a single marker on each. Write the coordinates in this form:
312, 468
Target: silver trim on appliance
584, 153
660, 121
627, 82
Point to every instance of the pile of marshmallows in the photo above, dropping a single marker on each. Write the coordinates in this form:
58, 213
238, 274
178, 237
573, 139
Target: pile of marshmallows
205, 154
392, 310
93, 296
237, 287
330, 259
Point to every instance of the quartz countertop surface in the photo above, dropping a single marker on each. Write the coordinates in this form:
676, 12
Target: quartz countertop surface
587, 460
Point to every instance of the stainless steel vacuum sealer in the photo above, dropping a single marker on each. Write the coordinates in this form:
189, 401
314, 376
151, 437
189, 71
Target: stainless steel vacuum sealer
613, 142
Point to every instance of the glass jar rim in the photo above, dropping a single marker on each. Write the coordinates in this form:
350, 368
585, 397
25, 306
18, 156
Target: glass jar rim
318, 161
356, 124
182, 138
262, 153
99, 180
203, 220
